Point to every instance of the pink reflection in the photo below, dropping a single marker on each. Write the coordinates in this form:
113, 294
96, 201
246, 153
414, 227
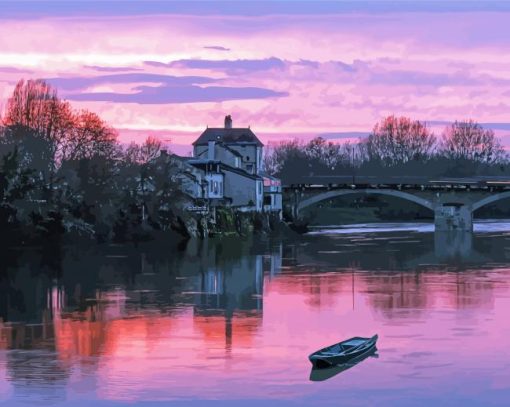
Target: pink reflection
433, 325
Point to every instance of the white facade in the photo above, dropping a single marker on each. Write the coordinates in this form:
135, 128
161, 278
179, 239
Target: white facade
214, 185
236, 155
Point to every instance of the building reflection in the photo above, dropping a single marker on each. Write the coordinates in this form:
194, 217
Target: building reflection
100, 302
228, 303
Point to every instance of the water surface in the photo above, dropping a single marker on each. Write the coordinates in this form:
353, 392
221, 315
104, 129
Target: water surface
232, 322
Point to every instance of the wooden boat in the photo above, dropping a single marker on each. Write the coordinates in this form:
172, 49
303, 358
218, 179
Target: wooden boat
342, 352
325, 373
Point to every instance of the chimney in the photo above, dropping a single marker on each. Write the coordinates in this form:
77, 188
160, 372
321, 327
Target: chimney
228, 122
210, 150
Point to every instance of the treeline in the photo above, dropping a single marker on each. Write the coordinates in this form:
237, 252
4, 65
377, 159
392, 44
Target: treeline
63, 171
396, 146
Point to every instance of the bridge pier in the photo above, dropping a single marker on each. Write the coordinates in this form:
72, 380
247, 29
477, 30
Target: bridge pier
453, 216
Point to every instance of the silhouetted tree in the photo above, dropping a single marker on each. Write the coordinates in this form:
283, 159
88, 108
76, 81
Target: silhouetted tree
397, 140
145, 153
90, 136
467, 140
326, 152
283, 156
34, 108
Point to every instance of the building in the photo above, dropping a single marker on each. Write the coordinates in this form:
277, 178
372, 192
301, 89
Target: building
272, 194
237, 147
229, 161
231, 185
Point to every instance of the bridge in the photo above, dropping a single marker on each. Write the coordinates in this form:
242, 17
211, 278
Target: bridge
452, 200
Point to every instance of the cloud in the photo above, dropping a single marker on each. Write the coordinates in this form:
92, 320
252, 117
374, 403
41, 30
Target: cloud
229, 66
8, 69
55, 8
82, 82
216, 48
179, 94
156, 64
420, 78
111, 68
493, 126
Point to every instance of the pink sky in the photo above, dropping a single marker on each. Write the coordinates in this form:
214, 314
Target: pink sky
286, 73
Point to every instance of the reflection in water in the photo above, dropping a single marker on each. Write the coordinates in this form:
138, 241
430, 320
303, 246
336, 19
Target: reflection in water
453, 245
235, 320
319, 375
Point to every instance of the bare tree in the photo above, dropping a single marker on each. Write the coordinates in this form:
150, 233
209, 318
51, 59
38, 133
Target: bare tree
150, 149
89, 136
34, 108
397, 140
31, 105
283, 153
469, 141
326, 152
145, 153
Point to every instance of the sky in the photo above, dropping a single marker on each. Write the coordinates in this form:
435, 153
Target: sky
285, 68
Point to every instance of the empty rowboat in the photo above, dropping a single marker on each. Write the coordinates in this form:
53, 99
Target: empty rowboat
343, 352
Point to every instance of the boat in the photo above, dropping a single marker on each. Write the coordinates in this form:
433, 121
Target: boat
342, 352
325, 373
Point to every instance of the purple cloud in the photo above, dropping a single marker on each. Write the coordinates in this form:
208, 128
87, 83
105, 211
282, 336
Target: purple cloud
111, 68
7, 69
228, 66
56, 8
179, 94
418, 78
216, 48
81, 82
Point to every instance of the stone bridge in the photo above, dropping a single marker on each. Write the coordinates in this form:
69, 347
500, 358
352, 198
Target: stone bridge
452, 201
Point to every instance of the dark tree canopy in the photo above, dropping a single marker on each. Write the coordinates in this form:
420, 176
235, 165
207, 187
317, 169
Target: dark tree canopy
397, 140
467, 140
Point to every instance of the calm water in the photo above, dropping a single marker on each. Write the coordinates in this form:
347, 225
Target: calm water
232, 323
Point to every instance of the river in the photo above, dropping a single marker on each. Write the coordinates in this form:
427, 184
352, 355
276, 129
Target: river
227, 323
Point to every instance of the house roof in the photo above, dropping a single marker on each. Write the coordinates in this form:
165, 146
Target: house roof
239, 171
226, 135
199, 163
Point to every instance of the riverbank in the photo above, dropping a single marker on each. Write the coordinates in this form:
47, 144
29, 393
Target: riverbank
181, 225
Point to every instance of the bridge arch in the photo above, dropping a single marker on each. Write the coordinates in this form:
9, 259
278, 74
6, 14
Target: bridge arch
490, 199
389, 192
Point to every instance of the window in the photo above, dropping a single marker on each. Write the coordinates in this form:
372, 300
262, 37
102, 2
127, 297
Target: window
210, 186
249, 168
215, 187
267, 200
247, 158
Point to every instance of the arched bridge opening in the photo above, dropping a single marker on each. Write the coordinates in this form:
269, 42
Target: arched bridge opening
329, 195
492, 206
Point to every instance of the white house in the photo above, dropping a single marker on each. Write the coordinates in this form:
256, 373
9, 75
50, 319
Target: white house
231, 160
237, 147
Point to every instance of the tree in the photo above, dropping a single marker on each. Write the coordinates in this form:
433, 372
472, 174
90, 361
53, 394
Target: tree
467, 140
283, 156
325, 152
145, 153
397, 140
90, 136
34, 108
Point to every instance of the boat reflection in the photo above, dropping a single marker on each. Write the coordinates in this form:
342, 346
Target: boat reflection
319, 375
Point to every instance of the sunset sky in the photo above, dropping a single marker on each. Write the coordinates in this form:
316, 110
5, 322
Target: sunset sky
285, 68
